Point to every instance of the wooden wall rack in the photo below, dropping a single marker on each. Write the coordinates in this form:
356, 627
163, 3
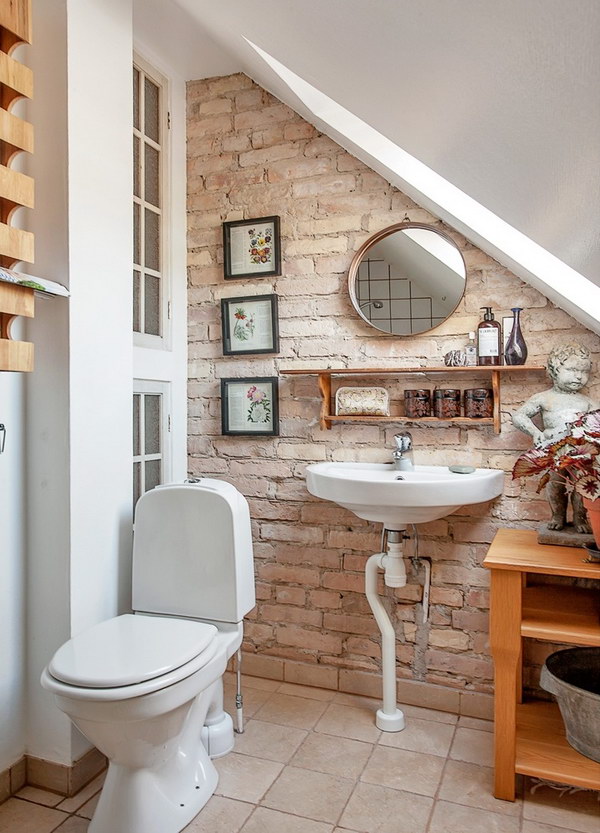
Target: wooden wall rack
495, 374
15, 300
529, 736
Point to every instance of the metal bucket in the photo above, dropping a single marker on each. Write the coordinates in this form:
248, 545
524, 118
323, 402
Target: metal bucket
573, 676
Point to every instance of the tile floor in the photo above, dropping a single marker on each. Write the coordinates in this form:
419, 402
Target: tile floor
312, 761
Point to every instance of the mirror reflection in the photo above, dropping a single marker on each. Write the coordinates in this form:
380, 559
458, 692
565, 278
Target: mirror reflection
407, 279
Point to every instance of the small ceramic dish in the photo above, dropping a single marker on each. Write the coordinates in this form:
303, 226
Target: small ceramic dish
362, 402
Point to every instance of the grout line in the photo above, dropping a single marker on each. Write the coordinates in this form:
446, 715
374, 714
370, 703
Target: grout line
435, 796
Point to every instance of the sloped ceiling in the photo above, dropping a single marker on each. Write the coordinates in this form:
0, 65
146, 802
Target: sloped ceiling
499, 98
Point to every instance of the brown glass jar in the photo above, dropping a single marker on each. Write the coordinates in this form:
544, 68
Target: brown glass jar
479, 403
417, 403
446, 403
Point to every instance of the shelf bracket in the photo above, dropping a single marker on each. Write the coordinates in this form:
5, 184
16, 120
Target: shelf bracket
325, 390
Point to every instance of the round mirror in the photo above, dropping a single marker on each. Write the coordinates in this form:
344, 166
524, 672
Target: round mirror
407, 279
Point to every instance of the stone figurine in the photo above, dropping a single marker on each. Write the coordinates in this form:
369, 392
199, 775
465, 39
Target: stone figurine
569, 368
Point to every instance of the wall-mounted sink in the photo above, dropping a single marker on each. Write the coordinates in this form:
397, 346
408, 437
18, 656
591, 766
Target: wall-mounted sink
379, 492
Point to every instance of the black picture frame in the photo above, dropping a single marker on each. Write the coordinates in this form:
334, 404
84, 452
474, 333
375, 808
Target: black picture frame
249, 322
243, 260
236, 414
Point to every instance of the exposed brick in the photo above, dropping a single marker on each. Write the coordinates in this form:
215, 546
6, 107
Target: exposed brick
311, 640
325, 598
295, 615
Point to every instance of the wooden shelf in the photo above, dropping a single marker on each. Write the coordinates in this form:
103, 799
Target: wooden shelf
495, 373
561, 614
543, 751
15, 300
530, 738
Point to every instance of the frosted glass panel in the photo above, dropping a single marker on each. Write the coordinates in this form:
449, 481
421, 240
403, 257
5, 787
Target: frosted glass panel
152, 240
136, 98
152, 305
137, 253
151, 175
136, 424
152, 478
151, 126
137, 301
136, 166
137, 486
152, 424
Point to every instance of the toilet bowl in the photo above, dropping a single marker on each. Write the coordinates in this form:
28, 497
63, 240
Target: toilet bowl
146, 688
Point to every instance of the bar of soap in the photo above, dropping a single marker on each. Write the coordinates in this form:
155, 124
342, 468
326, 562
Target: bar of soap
461, 469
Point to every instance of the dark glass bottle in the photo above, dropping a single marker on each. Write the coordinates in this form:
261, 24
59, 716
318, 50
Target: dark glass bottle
516, 349
488, 340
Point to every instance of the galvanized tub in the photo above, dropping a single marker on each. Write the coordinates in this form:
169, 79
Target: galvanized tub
573, 676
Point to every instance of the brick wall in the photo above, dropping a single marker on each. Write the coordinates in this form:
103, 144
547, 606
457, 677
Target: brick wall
251, 156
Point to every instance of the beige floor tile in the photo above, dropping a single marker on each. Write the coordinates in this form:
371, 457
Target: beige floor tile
254, 698
376, 809
89, 808
336, 756
312, 795
579, 811
269, 740
465, 722
402, 769
18, 816
220, 815
74, 824
349, 722
273, 821
311, 692
473, 785
536, 827
456, 818
421, 736
344, 699
71, 805
428, 714
38, 796
473, 746
291, 711
245, 778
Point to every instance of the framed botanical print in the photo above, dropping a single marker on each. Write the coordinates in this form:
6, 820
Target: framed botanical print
250, 407
252, 248
250, 325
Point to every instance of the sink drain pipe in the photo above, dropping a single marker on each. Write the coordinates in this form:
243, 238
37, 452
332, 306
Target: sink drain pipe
389, 718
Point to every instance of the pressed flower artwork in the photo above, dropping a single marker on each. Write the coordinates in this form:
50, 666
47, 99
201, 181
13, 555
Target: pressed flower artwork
250, 325
251, 248
250, 406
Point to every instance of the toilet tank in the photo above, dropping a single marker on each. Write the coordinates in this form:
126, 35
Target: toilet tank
192, 552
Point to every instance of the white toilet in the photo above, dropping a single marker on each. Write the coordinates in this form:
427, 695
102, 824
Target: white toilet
146, 688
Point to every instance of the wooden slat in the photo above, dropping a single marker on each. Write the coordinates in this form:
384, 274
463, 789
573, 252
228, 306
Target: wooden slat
397, 371
16, 355
16, 76
543, 751
16, 244
518, 549
15, 15
16, 300
562, 614
16, 187
16, 131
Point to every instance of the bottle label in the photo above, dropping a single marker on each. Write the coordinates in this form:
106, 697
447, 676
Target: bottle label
488, 341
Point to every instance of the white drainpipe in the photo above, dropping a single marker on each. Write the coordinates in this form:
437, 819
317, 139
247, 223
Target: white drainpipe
389, 718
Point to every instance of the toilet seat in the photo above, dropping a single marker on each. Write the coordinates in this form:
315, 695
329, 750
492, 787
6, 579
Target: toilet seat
146, 652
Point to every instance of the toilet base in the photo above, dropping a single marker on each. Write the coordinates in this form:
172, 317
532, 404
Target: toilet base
154, 801
217, 737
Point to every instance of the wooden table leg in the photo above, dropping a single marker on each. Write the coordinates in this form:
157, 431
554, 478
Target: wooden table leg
505, 639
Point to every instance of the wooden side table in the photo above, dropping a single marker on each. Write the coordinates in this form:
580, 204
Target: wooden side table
529, 737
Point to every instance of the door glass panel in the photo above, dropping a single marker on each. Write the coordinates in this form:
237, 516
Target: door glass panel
152, 474
152, 424
152, 305
137, 252
136, 166
137, 490
152, 240
136, 98
136, 424
137, 301
151, 175
151, 110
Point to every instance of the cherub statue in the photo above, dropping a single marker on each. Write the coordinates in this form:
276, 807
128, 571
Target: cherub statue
569, 368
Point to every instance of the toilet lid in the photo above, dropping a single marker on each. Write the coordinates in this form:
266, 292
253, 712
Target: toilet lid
130, 649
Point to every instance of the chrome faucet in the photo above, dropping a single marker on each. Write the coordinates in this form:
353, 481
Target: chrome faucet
403, 453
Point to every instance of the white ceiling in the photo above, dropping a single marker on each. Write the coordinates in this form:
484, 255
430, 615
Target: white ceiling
500, 97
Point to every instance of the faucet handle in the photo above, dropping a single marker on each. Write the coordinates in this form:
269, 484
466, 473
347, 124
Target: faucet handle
403, 441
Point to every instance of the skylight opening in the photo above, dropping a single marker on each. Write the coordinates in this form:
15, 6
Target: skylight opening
519, 248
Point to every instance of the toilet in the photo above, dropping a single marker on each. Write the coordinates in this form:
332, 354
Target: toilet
146, 688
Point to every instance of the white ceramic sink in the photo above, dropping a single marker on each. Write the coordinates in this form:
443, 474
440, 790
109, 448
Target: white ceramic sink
374, 491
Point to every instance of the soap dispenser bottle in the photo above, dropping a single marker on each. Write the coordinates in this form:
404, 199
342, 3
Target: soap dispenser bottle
488, 339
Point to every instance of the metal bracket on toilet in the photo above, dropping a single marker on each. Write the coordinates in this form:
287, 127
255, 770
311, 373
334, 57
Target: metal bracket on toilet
239, 699
2, 437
